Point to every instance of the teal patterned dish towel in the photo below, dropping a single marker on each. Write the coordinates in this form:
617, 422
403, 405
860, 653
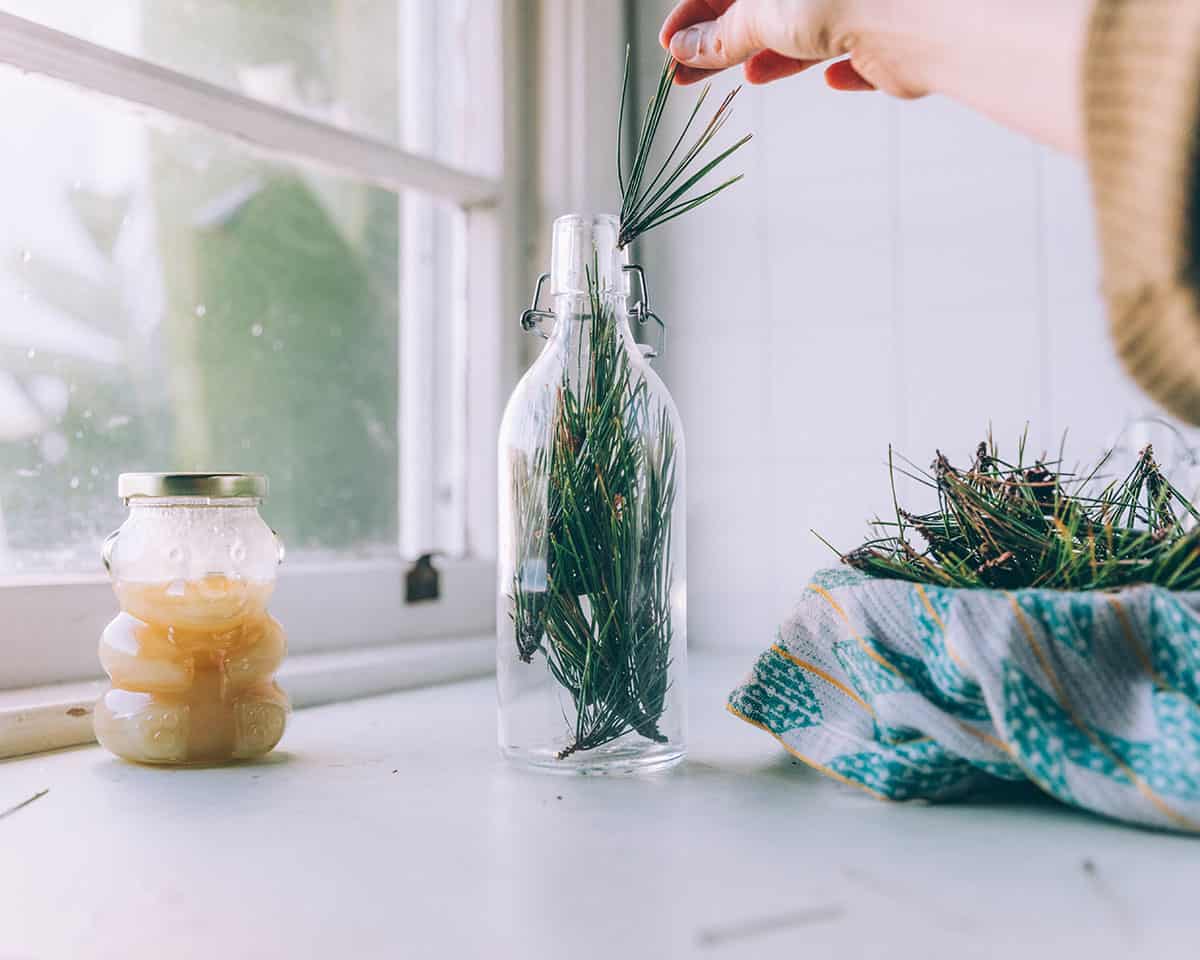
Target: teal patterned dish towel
912, 691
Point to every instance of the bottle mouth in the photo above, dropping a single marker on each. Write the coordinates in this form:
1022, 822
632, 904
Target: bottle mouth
585, 259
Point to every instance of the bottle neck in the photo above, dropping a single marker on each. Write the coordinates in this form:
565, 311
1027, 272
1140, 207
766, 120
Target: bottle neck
575, 317
584, 256
590, 286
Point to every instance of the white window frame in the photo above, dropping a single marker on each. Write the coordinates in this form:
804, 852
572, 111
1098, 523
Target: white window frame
350, 630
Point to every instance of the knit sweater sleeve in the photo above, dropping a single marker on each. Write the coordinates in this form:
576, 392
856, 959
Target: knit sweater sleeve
1142, 115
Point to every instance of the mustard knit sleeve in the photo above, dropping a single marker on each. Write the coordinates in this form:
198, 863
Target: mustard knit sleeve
1142, 109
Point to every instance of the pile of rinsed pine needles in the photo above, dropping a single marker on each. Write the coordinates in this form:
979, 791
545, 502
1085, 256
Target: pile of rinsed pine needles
1007, 526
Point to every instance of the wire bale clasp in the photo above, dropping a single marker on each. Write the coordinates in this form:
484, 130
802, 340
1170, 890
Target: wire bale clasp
533, 317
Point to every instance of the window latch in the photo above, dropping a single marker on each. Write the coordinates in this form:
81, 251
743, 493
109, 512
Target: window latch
423, 581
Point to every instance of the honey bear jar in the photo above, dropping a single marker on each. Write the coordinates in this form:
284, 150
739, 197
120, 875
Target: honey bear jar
193, 653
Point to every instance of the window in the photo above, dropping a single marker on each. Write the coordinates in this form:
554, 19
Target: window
254, 235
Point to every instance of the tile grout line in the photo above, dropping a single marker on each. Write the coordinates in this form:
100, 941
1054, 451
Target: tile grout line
1041, 267
768, 343
896, 220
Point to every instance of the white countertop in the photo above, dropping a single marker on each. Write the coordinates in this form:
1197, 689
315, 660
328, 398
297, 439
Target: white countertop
390, 827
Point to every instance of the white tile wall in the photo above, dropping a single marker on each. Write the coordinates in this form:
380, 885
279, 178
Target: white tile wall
888, 272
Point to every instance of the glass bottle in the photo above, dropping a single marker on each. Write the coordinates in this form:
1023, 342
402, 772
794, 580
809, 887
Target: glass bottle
591, 656
193, 653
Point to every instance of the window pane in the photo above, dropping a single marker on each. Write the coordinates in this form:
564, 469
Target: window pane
393, 70
172, 301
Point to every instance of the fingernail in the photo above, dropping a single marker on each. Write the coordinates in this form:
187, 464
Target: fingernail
686, 44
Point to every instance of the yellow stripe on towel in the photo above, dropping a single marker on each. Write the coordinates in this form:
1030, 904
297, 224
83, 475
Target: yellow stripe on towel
831, 680
950, 652
819, 767
973, 731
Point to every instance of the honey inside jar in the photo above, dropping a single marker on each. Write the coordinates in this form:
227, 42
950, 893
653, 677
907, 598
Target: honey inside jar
192, 664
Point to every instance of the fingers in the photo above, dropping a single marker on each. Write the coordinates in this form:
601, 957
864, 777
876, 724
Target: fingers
706, 36
717, 44
687, 13
842, 76
767, 66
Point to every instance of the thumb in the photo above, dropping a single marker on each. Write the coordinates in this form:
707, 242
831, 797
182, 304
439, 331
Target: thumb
716, 44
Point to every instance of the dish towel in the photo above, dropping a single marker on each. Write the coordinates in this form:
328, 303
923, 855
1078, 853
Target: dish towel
910, 691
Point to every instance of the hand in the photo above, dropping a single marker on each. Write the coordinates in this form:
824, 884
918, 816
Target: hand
779, 38
1018, 61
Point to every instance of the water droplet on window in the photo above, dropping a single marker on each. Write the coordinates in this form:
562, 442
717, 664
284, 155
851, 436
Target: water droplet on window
237, 551
74, 483
277, 345
30, 353
177, 588
26, 473
117, 421
175, 554
78, 434
24, 296
87, 414
201, 310
54, 447
50, 393
256, 330
26, 256
95, 471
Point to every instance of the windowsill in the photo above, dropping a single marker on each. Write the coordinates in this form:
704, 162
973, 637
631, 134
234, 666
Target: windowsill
390, 827
60, 715
49, 626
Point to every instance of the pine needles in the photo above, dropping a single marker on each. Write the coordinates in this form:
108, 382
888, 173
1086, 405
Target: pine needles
648, 202
602, 613
1008, 526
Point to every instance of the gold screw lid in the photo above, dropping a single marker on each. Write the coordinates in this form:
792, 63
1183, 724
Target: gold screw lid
212, 485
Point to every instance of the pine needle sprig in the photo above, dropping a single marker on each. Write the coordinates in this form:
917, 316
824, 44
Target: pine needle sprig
649, 203
1009, 526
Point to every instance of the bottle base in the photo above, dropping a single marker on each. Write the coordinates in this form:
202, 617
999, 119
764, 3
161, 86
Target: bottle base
613, 760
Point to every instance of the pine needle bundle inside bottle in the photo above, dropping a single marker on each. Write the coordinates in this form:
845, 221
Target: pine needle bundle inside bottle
595, 503
603, 620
